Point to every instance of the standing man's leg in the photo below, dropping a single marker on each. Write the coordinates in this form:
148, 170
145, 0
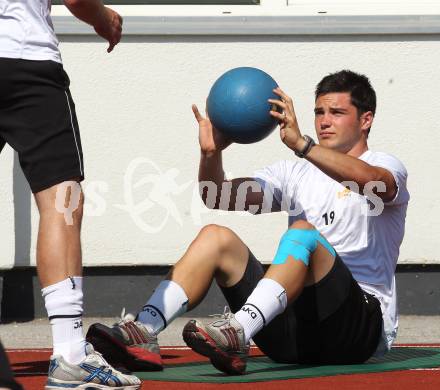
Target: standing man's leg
7, 381
38, 120
59, 266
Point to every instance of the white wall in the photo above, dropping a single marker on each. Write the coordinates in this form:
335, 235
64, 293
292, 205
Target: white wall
135, 103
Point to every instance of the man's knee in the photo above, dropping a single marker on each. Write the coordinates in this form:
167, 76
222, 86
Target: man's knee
300, 242
66, 198
220, 237
302, 224
70, 199
319, 261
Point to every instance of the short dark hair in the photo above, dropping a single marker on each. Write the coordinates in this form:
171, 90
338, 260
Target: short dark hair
363, 96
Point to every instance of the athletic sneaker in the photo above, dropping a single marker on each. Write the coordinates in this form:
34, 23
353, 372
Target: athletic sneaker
92, 373
222, 341
128, 343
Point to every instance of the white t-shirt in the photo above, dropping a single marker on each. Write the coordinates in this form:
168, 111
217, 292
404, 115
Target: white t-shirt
364, 231
26, 30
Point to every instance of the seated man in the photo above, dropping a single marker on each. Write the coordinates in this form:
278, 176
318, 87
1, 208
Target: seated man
329, 296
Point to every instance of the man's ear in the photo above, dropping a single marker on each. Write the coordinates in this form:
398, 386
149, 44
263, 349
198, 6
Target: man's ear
366, 120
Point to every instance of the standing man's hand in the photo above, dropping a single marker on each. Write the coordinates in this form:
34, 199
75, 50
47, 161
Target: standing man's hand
106, 22
210, 139
110, 28
289, 129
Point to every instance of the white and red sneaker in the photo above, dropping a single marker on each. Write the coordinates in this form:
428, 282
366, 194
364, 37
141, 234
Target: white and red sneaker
128, 343
222, 341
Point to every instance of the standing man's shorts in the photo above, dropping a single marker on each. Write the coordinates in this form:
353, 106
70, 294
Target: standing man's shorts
38, 120
331, 322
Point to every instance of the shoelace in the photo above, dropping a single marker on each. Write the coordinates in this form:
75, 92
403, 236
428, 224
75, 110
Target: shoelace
101, 360
227, 314
125, 317
100, 357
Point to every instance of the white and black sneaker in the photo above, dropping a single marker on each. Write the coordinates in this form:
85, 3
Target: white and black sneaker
92, 373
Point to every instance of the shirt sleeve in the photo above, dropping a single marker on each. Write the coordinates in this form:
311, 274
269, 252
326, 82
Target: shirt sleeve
400, 174
272, 181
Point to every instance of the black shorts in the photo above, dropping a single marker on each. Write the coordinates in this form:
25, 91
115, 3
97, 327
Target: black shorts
331, 322
38, 120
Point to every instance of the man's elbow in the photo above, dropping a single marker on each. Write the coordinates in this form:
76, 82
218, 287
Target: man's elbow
209, 198
212, 205
384, 185
390, 192
73, 4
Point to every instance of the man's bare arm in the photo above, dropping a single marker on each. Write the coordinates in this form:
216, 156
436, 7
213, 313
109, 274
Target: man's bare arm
241, 194
342, 168
339, 166
106, 22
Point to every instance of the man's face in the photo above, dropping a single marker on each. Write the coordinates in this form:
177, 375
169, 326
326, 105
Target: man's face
337, 123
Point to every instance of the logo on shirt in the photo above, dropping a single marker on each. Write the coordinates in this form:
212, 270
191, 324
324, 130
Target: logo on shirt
344, 193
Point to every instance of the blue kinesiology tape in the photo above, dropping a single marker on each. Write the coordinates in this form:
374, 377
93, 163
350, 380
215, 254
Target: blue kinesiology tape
300, 244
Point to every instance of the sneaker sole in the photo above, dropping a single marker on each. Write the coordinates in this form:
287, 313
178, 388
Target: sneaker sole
199, 341
87, 386
116, 352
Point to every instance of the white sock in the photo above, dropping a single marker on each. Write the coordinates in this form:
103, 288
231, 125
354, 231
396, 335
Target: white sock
64, 305
168, 302
266, 302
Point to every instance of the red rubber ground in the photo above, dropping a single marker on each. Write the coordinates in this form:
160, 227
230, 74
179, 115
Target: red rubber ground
30, 367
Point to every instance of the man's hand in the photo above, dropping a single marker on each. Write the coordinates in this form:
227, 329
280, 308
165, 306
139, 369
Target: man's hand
106, 22
289, 129
110, 28
210, 139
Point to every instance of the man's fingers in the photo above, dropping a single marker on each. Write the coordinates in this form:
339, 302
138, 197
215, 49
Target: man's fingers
278, 91
197, 114
286, 107
278, 103
278, 115
112, 44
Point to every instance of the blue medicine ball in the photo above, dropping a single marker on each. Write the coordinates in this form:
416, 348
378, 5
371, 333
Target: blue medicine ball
238, 107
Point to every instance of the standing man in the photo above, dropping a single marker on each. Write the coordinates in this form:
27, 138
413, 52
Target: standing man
329, 296
7, 381
37, 119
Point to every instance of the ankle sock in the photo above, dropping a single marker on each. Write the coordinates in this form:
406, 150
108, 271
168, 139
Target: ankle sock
266, 302
64, 305
168, 302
